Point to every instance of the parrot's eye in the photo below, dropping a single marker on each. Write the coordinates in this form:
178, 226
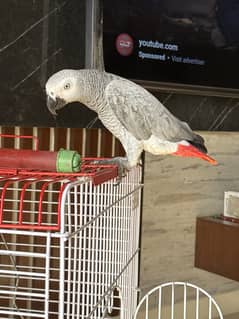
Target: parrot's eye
67, 86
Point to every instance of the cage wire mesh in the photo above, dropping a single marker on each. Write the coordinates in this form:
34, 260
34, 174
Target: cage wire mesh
177, 300
69, 248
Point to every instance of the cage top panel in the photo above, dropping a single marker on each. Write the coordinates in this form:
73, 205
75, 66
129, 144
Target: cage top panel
28, 198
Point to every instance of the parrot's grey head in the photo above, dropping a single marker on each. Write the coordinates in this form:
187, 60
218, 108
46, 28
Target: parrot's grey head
61, 89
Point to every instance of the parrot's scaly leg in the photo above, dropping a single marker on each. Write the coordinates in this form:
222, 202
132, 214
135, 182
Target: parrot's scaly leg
121, 162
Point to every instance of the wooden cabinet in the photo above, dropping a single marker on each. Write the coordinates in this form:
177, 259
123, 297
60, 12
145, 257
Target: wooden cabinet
217, 246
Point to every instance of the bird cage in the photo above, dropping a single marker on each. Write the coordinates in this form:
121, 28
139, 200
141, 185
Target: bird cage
177, 300
69, 243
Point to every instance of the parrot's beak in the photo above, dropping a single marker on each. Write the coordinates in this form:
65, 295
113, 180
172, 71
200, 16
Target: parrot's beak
55, 104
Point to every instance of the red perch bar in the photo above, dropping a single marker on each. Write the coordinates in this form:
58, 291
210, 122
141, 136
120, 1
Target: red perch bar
61, 161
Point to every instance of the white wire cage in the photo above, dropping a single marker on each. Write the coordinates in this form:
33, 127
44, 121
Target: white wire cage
178, 300
69, 248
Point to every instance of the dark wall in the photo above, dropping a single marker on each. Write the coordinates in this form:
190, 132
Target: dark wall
207, 113
37, 39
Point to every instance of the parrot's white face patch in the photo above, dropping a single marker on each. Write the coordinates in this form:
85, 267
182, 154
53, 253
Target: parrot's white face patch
64, 90
55, 90
63, 85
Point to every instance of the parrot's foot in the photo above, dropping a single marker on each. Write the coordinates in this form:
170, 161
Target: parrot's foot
122, 164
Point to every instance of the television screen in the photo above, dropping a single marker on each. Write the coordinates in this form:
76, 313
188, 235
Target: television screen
187, 42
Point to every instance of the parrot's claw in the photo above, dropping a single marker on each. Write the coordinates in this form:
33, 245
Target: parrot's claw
122, 164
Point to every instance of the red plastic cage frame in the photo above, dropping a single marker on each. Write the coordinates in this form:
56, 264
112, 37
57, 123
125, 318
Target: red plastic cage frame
96, 172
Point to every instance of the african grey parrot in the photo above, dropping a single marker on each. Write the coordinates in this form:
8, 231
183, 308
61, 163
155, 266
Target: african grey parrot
128, 111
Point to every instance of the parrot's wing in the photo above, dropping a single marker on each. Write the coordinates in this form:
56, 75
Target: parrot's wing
142, 114
126, 101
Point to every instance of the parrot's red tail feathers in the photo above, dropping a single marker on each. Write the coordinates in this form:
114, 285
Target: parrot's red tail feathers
191, 151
